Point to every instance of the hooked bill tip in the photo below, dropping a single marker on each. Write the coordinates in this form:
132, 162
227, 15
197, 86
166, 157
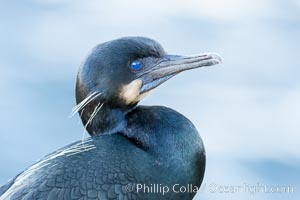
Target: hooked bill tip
216, 58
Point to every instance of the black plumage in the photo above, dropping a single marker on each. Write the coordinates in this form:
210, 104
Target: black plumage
130, 145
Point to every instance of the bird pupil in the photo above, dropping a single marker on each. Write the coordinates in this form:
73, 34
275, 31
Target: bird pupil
136, 65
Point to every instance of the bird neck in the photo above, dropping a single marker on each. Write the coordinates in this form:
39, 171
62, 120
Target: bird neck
106, 120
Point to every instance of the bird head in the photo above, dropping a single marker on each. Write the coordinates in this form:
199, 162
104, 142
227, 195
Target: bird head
125, 70
119, 73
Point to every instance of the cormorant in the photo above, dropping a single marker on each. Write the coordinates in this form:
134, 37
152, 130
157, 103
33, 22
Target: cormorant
134, 152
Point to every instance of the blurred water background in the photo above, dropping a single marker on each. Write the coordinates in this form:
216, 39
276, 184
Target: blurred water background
246, 110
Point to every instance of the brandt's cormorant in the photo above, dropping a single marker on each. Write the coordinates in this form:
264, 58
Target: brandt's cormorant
134, 152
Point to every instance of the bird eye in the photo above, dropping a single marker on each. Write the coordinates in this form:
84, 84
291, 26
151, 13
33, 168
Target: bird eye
136, 65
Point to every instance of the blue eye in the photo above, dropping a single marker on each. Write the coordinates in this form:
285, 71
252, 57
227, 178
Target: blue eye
136, 65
